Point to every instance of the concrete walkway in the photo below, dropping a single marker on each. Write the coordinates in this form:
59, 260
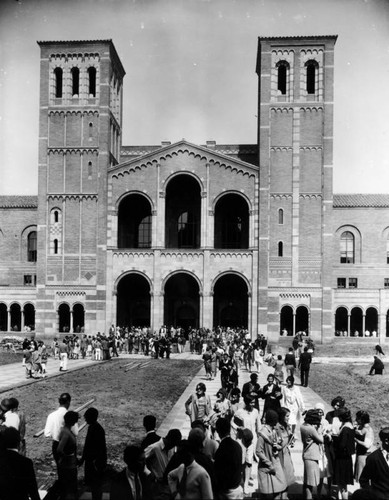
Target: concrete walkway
13, 375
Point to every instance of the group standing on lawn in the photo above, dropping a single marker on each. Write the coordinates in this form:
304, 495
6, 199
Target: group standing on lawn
246, 427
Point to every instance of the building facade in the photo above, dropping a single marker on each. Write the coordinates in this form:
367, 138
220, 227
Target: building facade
192, 235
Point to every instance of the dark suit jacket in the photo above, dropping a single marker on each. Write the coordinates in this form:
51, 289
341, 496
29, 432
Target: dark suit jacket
305, 360
17, 477
120, 487
228, 464
94, 453
150, 439
375, 475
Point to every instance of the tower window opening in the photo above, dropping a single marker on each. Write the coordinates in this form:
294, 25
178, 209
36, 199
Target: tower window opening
58, 74
89, 170
280, 216
311, 76
280, 249
32, 247
56, 246
90, 130
56, 216
75, 82
281, 82
92, 81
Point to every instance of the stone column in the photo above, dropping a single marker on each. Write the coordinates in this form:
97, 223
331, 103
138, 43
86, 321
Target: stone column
9, 326
294, 323
348, 325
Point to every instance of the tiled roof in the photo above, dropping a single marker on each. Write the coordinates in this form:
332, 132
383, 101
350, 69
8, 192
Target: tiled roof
361, 200
18, 201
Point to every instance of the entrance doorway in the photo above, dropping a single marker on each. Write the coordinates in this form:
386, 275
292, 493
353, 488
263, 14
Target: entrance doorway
182, 301
230, 302
133, 301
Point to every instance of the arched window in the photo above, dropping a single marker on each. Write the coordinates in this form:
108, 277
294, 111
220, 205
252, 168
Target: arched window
89, 170
282, 70
55, 215
280, 216
186, 229
347, 248
387, 250
90, 130
58, 74
144, 232
280, 249
32, 247
55, 246
92, 81
311, 77
75, 82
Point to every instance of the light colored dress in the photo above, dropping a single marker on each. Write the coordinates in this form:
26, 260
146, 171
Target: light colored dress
271, 477
293, 401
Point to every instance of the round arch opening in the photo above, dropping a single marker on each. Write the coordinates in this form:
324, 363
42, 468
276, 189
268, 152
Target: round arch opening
341, 322
230, 302
231, 222
182, 302
133, 301
356, 322
29, 316
3, 318
78, 318
286, 321
134, 222
64, 318
183, 212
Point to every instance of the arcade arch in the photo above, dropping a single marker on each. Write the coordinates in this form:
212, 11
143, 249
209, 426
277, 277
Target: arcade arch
182, 301
183, 212
231, 222
230, 301
134, 222
133, 301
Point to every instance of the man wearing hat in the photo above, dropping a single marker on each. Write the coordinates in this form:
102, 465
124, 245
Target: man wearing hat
375, 475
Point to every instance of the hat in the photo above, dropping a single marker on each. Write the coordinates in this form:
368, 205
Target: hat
313, 417
271, 417
319, 406
5, 404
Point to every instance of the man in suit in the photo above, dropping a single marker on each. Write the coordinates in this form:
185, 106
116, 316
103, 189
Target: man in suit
131, 483
253, 389
305, 361
17, 475
94, 454
228, 463
375, 474
149, 423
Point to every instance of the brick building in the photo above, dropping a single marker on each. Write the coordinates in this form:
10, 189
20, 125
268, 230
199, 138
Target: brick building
192, 235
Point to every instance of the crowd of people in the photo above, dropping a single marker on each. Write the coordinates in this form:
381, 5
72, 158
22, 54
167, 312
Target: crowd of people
248, 426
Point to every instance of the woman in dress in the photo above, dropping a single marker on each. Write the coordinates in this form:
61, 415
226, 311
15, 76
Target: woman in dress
311, 439
272, 395
344, 449
67, 458
293, 401
271, 478
325, 431
279, 369
364, 440
207, 356
284, 431
198, 406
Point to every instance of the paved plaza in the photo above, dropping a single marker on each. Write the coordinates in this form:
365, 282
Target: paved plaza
13, 375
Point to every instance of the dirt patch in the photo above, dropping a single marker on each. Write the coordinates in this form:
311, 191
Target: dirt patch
122, 398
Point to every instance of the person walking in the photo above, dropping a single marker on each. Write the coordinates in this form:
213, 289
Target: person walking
344, 450
67, 458
293, 401
228, 463
55, 422
94, 454
271, 477
290, 362
304, 364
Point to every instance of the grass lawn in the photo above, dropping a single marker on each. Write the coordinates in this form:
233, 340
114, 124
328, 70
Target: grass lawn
8, 357
361, 391
122, 398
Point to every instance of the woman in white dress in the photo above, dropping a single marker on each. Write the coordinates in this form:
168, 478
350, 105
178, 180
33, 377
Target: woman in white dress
293, 401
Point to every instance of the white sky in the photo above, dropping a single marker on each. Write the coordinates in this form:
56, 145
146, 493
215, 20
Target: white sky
190, 68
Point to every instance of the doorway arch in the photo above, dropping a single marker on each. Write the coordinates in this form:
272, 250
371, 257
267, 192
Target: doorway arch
356, 322
78, 318
230, 301
16, 317
64, 318
182, 301
29, 316
302, 319
341, 321
133, 301
286, 320
3, 317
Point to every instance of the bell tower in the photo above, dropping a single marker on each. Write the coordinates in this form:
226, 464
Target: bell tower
295, 139
80, 124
